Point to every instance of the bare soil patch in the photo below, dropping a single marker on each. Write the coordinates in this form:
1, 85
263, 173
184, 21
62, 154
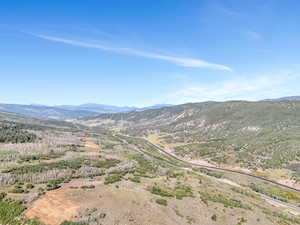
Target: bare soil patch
126, 205
55, 206
290, 183
91, 145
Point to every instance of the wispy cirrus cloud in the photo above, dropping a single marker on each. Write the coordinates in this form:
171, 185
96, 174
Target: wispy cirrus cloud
253, 35
180, 61
238, 88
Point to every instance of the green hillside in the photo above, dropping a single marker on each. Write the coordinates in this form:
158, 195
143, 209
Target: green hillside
251, 134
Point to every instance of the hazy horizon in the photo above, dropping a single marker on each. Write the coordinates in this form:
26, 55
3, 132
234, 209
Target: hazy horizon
145, 106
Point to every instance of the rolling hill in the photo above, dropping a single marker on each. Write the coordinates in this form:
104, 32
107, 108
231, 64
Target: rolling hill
251, 135
87, 176
41, 111
51, 176
65, 112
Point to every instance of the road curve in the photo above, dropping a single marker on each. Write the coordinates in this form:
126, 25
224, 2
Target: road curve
161, 150
219, 169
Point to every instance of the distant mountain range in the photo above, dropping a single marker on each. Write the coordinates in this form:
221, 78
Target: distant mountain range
67, 112
64, 112
290, 98
46, 112
100, 108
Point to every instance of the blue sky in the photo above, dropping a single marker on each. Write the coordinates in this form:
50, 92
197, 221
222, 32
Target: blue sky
148, 52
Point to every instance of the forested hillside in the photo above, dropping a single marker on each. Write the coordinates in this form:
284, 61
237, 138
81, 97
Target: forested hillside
15, 133
253, 135
94, 176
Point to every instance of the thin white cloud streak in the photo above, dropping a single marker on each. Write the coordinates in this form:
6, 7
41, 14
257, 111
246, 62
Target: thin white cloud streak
228, 11
251, 88
253, 35
181, 61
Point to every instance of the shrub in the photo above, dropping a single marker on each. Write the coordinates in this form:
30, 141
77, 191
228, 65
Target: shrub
158, 191
218, 198
243, 192
214, 217
242, 220
283, 216
112, 179
29, 186
276, 193
108, 163
73, 223
64, 164
135, 179
182, 191
2, 196
17, 190
54, 184
88, 187
211, 173
161, 201
102, 215
49, 156
172, 174
121, 172
144, 165
9, 211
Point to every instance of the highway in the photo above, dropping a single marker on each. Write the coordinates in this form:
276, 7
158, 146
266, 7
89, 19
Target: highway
163, 151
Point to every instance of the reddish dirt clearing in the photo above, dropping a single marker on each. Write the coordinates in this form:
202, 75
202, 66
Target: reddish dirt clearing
55, 206
90, 145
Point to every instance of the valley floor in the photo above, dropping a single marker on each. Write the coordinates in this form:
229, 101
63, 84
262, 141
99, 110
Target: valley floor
82, 178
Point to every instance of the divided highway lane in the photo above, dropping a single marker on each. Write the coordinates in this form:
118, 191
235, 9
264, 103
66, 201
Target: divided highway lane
163, 151
293, 207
